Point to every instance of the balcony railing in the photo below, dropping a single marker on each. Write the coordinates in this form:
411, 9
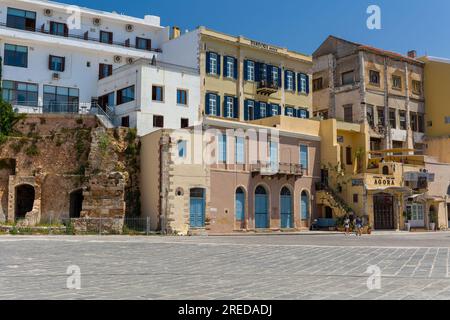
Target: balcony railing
85, 36
270, 169
267, 88
34, 107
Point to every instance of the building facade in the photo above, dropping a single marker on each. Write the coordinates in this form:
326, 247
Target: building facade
251, 184
242, 79
360, 84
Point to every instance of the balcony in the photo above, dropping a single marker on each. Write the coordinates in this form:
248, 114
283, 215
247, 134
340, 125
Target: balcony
84, 37
280, 169
266, 88
62, 108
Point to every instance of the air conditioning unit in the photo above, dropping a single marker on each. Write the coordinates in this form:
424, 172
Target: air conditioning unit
96, 21
117, 59
129, 28
130, 60
48, 12
55, 76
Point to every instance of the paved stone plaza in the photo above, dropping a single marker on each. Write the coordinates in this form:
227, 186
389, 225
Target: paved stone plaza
310, 266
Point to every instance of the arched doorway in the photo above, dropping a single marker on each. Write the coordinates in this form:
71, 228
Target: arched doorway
328, 213
383, 211
76, 204
240, 206
25, 195
197, 208
261, 208
304, 206
385, 170
286, 209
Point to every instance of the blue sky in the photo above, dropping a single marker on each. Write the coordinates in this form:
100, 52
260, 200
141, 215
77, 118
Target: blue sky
302, 25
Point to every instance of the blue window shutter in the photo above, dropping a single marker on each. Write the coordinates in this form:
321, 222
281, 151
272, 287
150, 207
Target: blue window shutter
219, 106
307, 114
235, 68
208, 62
225, 63
307, 83
269, 74
257, 71
299, 82
207, 110
246, 115
285, 79
236, 108
219, 61
280, 74
294, 80
279, 109
286, 111
257, 111
246, 70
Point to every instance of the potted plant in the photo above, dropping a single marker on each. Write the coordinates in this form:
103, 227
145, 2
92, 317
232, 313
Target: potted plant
407, 219
433, 221
369, 229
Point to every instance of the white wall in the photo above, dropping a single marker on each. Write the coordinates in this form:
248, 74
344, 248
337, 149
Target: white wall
183, 51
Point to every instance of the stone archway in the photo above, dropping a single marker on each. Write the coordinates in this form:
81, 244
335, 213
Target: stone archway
76, 203
25, 195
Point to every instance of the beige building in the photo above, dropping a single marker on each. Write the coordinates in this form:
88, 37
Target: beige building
360, 84
251, 184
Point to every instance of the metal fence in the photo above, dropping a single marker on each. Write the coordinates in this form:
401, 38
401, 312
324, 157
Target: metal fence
85, 226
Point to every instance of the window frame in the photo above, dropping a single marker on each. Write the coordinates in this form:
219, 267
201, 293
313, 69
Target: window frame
229, 107
53, 67
14, 91
376, 74
213, 67
180, 93
343, 74
15, 55
289, 80
156, 119
26, 20
251, 71
102, 67
213, 104
109, 34
398, 79
155, 95
120, 97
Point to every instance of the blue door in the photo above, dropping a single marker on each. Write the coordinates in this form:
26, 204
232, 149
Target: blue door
240, 205
304, 205
261, 208
197, 208
286, 209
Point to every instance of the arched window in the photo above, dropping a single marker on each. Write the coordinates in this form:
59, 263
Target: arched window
240, 204
286, 212
25, 195
261, 208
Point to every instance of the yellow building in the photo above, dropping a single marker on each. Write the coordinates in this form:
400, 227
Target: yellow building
243, 79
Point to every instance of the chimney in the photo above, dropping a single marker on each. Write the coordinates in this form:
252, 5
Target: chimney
412, 54
175, 32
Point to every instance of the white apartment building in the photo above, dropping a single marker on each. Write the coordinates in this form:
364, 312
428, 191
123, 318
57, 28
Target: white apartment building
61, 58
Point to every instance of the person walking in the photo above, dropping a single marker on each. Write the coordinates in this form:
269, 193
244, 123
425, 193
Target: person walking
347, 225
358, 226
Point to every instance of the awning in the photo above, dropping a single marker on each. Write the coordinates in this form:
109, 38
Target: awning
390, 190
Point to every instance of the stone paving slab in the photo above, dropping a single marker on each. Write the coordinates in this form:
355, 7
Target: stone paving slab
327, 266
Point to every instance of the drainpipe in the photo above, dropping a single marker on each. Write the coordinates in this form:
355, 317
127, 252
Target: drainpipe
362, 87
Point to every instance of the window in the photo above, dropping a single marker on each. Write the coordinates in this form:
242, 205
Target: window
230, 65
348, 113
182, 97
56, 63
447, 120
275, 76
213, 63
213, 104
303, 83
290, 81
370, 117
374, 77
417, 87
16, 56
104, 70
392, 118
303, 113
421, 122
290, 111
251, 109
348, 156
347, 78
157, 93
125, 95
20, 93
106, 100
125, 122
381, 118
59, 29
355, 198
182, 149
263, 72
21, 19
304, 157
240, 150
250, 70
396, 82
184, 123
273, 153
143, 44
274, 109
106, 37
229, 107
414, 121
402, 120
262, 110
222, 148
158, 121
318, 84
61, 99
